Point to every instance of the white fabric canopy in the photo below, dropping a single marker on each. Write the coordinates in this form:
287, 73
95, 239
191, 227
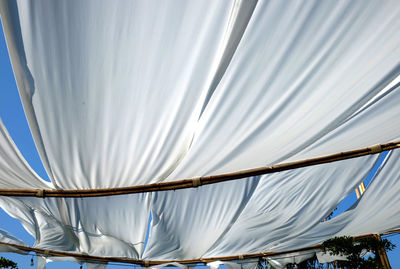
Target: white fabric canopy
280, 261
377, 211
248, 264
187, 223
127, 93
6, 237
15, 172
104, 226
326, 257
134, 125
40, 262
231, 218
286, 205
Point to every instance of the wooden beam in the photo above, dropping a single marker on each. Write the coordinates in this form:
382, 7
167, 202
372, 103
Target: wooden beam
196, 182
85, 257
383, 258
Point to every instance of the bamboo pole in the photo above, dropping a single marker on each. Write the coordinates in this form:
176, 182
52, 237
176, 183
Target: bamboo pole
382, 255
146, 263
195, 182
383, 258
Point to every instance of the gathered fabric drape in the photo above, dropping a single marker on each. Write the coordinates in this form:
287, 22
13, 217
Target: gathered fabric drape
126, 93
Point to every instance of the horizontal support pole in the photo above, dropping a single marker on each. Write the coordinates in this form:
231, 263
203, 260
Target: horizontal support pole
89, 258
200, 181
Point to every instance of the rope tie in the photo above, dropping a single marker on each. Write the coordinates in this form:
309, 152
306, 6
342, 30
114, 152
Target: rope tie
375, 149
196, 182
40, 193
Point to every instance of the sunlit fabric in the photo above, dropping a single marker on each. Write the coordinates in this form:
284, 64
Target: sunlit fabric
248, 264
129, 93
104, 226
6, 237
286, 205
15, 172
245, 216
377, 211
126, 93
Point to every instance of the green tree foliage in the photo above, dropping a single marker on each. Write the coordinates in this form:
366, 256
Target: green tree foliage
355, 250
5, 263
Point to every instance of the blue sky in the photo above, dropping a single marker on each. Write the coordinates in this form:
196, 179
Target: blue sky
12, 114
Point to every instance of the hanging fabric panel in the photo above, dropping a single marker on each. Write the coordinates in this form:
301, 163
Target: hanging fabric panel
377, 211
282, 212
15, 172
97, 226
6, 237
114, 90
132, 93
301, 71
286, 205
186, 223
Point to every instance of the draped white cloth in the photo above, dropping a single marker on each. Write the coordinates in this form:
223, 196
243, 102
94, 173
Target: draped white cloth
126, 93
96, 265
40, 262
175, 264
15, 172
280, 261
377, 211
286, 205
187, 223
231, 218
129, 93
247, 264
104, 226
6, 237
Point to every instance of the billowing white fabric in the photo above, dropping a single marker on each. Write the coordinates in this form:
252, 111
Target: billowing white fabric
300, 72
6, 237
15, 172
129, 93
91, 265
288, 204
247, 264
188, 222
117, 104
175, 264
55, 231
59, 258
230, 265
280, 261
40, 262
230, 218
326, 257
377, 211
103, 226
